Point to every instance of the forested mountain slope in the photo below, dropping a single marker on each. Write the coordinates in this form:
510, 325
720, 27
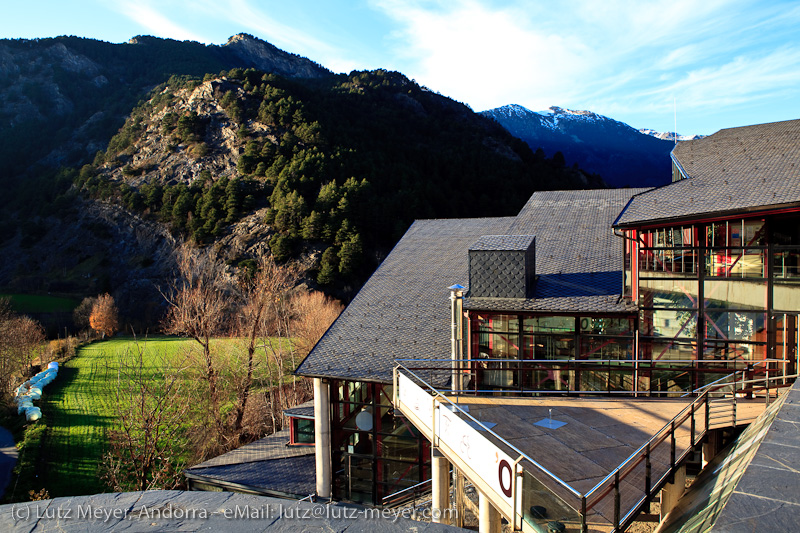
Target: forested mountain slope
285, 157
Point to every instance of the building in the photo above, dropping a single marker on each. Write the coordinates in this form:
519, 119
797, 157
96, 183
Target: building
653, 300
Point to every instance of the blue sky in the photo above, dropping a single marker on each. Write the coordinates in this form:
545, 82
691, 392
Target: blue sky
720, 63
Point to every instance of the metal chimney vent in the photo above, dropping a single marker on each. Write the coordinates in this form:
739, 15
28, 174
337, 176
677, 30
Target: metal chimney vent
502, 266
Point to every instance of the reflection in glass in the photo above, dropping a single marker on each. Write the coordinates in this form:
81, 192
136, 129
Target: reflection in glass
735, 294
548, 324
668, 293
735, 325
674, 323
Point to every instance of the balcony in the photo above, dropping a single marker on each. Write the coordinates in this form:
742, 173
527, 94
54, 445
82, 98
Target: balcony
590, 462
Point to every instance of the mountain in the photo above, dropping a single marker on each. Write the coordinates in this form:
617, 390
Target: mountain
319, 169
620, 154
669, 135
80, 90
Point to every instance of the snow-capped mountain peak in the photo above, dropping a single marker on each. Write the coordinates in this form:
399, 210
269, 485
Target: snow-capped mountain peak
622, 155
669, 135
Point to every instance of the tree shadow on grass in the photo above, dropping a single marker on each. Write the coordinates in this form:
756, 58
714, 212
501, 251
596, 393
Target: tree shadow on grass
72, 451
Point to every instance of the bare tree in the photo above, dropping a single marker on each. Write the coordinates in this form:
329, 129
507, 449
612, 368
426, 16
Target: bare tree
199, 303
313, 314
150, 407
21, 340
263, 297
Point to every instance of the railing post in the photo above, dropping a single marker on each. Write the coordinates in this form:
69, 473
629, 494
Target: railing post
767, 386
672, 452
616, 501
707, 412
693, 429
516, 474
395, 371
648, 472
434, 441
584, 525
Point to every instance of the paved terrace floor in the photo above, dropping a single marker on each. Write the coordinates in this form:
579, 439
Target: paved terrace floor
598, 436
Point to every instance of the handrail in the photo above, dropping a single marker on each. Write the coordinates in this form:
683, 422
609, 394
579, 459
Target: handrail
516, 450
643, 453
668, 425
586, 365
411, 488
605, 361
625, 467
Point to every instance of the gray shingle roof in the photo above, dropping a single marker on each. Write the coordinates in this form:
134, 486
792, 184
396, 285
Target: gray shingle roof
402, 312
273, 446
304, 410
505, 243
578, 258
735, 169
267, 465
294, 476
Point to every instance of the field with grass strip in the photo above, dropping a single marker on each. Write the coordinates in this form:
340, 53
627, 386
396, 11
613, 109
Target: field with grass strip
78, 408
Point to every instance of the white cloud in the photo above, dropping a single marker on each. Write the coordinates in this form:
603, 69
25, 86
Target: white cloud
483, 56
157, 23
618, 57
248, 16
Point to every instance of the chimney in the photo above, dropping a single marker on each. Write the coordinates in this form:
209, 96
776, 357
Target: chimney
502, 266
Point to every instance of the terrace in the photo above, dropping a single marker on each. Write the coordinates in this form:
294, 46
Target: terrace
591, 461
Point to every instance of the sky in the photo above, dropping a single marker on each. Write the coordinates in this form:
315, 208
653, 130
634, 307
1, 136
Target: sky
703, 65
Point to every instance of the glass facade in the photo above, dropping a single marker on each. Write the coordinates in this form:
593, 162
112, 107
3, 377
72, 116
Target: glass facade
521, 352
718, 291
375, 452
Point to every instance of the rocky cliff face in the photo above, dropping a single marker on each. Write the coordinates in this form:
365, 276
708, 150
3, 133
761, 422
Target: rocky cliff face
155, 156
94, 248
80, 90
261, 55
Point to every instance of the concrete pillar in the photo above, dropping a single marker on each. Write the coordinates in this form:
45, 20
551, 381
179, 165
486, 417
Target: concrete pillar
489, 517
440, 487
322, 436
672, 492
711, 446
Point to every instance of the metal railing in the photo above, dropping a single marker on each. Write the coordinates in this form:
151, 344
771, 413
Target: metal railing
699, 417
651, 466
669, 378
407, 494
543, 472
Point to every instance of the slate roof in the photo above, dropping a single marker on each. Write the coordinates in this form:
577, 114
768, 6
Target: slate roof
504, 243
268, 466
402, 312
578, 258
304, 410
736, 169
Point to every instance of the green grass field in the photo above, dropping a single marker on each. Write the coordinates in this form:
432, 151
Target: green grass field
78, 408
40, 303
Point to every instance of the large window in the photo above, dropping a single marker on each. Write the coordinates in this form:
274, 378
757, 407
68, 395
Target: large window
669, 250
375, 452
522, 351
786, 263
715, 291
606, 338
736, 249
